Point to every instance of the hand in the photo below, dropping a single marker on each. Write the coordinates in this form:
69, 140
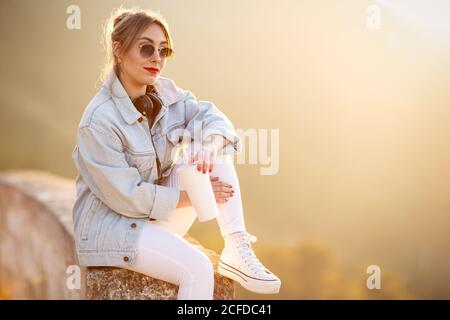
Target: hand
206, 156
222, 190
205, 159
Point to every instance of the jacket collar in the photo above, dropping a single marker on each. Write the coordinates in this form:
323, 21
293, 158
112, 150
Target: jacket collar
168, 92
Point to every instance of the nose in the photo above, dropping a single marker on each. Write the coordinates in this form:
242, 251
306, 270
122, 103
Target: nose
155, 56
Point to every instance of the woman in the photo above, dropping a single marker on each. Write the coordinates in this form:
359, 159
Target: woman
130, 211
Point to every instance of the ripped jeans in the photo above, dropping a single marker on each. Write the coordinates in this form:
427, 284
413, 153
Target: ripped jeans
164, 254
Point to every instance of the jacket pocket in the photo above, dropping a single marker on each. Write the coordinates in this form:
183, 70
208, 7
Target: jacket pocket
86, 219
175, 135
142, 161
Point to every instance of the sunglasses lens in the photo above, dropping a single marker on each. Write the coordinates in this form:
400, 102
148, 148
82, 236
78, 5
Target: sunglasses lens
165, 52
147, 51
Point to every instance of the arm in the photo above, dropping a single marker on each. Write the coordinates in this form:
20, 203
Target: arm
101, 162
213, 122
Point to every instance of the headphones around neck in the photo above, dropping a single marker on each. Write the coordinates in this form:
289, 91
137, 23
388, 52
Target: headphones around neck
148, 104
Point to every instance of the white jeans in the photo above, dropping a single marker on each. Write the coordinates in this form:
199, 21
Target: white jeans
164, 254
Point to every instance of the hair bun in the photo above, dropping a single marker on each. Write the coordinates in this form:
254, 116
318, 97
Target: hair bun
121, 17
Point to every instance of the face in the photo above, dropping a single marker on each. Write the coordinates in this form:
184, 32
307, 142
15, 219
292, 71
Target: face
140, 71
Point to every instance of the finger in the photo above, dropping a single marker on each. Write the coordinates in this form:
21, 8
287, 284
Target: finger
208, 163
190, 160
220, 186
229, 189
192, 156
211, 162
226, 186
216, 184
199, 161
205, 162
221, 194
223, 188
220, 200
212, 178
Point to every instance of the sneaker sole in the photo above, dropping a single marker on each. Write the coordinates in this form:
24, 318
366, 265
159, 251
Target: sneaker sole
249, 283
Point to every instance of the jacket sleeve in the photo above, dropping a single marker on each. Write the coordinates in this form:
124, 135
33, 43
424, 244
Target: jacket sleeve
101, 162
206, 116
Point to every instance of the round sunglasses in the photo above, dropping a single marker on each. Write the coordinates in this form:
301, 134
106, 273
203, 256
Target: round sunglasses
146, 50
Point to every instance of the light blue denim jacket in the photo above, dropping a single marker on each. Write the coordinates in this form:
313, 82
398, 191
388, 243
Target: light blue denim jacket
116, 163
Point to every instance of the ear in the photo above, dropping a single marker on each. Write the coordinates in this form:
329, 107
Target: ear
116, 49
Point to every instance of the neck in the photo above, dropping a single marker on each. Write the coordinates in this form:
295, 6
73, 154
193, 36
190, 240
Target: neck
133, 89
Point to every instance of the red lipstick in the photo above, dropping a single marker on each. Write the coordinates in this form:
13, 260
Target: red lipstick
152, 70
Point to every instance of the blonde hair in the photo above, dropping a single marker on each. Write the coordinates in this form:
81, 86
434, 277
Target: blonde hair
124, 26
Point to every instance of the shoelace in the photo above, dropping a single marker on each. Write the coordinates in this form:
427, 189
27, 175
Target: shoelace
247, 253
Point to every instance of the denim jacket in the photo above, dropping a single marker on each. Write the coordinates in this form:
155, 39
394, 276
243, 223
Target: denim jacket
115, 155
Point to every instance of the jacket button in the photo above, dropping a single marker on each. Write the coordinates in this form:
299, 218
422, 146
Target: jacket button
133, 225
140, 119
125, 259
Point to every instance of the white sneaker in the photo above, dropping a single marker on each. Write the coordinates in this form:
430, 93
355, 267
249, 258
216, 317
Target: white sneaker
238, 262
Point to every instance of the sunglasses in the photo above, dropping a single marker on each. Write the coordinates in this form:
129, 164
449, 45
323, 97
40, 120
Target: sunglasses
147, 50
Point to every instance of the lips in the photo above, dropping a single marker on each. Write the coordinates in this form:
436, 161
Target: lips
152, 70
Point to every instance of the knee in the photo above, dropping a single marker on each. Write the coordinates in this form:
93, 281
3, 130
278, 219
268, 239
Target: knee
201, 268
208, 267
204, 266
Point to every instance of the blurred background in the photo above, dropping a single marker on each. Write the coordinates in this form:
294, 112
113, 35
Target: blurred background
362, 108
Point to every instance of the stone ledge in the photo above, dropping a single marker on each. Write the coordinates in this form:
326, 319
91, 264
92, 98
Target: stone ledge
37, 247
106, 283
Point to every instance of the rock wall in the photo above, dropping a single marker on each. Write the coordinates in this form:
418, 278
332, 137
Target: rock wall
37, 250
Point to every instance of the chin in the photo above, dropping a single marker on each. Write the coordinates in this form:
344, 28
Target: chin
150, 79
